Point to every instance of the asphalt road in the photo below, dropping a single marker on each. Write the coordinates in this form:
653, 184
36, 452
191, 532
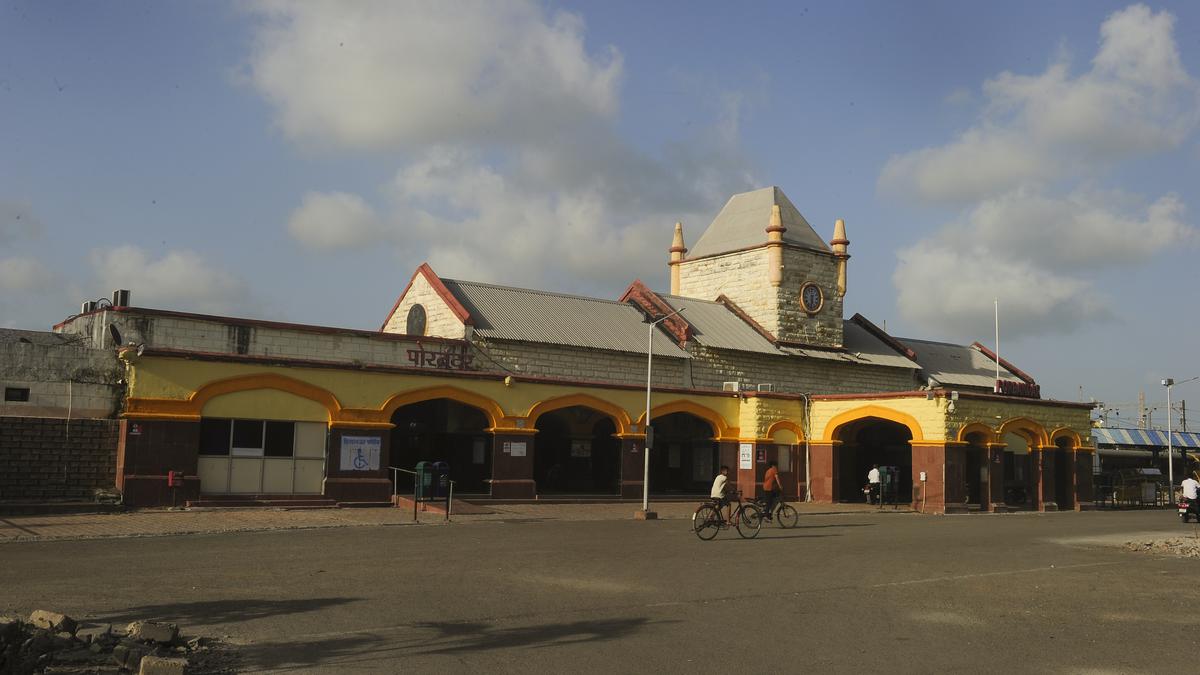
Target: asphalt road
872, 593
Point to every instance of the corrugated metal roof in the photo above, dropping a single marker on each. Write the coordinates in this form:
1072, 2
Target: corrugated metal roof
956, 364
1145, 437
867, 348
714, 325
743, 221
527, 315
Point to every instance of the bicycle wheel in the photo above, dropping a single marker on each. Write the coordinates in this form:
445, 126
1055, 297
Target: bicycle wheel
749, 521
786, 516
706, 522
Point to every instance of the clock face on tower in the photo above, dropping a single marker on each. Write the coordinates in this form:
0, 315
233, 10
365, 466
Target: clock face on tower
811, 298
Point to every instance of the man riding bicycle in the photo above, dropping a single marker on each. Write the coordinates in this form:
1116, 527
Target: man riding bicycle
772, 487
718, 491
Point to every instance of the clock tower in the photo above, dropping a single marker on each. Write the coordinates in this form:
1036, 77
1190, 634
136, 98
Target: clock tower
761, 254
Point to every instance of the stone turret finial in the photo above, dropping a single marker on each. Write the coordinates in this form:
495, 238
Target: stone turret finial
677, 251
775, 230
839, 244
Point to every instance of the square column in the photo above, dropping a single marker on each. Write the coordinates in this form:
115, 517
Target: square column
348, 485
929, 496
1085, 496
147, 450
512, 466
1045, 479
633, 467
824, 457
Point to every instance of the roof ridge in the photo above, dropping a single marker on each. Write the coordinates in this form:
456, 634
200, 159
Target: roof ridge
533, 291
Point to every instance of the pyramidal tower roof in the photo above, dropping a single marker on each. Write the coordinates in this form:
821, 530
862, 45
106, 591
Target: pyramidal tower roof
743, 222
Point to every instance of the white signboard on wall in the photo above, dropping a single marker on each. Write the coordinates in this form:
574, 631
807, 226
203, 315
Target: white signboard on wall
746, 456
361, 453
515, 448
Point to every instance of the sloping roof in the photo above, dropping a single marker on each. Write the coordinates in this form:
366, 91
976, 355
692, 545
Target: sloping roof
505, 313
867, 348
1144, 437
714, 325
742, 223
35, 337
957, 364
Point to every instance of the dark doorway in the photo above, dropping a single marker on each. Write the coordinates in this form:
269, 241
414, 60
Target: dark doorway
442, 430
1064, 475
576, 453
868, 442
1020, 473
976, 470
685, 456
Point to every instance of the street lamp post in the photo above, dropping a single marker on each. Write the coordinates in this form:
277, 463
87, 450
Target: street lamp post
645, 513
1168, 383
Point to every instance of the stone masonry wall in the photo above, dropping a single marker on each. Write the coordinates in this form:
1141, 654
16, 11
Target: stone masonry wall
578, 363
743, 277
62, 380
792, 374
213, 336
51, 458
439, 320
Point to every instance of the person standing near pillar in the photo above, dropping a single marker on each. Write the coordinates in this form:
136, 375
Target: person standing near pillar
873, 485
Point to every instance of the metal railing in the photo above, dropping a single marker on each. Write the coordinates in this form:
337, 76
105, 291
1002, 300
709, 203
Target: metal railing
396, 491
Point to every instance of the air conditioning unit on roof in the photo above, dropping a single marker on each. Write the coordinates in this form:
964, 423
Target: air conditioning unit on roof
766, 386
731, 386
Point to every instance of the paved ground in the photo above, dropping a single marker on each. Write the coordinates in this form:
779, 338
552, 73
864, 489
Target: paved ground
157, 522
1050, 593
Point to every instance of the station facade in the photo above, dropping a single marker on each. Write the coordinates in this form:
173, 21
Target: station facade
532, 394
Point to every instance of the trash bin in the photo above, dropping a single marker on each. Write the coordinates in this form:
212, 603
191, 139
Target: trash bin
433, 480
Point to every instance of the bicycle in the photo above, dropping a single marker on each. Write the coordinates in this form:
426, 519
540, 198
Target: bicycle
707, 520
784, 515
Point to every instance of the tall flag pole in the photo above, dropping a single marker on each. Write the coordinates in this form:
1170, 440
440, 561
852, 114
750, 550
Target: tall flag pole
996, 304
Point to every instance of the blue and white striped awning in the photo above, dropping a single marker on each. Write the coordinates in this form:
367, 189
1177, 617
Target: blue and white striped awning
1144, 437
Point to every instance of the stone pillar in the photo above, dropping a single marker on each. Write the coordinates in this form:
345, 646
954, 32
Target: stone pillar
727, 455
371, 485
750, 480
512, 466
1043, 459
633, 466
930, 496
995, 487
824, 471
147, 450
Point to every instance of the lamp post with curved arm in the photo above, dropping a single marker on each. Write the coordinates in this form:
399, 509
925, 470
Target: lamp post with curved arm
645, 513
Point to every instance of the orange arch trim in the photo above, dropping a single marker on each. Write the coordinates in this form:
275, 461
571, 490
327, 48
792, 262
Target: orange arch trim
1065, 432
720, 428
1036, 431
835, 424
616, 412
785, 424
989, 434
192, 407
489, 407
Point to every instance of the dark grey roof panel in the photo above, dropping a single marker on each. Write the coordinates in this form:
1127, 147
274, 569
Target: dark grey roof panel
525, 315
956, 364
714, 325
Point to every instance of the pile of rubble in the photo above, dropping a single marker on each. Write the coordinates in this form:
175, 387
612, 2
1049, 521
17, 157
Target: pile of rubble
1187, 547
49, 642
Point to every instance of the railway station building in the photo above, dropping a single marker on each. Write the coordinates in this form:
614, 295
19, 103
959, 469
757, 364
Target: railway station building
533, 394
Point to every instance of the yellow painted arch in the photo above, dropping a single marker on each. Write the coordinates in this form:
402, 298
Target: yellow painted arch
989, 434
835, 424
618, 414
720, 428
785, 424
487, 406
1036, 432
1065, 432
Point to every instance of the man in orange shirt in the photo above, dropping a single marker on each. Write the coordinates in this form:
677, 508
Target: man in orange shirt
773, 487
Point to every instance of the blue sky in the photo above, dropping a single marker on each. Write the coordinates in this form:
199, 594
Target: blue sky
297, 162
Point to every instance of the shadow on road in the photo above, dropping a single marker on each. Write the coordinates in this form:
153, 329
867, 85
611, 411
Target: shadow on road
772, 536
433, 638
224, 611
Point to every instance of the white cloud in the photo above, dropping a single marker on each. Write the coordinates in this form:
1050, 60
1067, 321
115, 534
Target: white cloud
1029, 171
18, 221
331, 220
1135, 100
410, 73
510, 168
23, 274
179, 280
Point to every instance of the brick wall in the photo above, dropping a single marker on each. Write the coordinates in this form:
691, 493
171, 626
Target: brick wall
793, 374
579, 363
40, 461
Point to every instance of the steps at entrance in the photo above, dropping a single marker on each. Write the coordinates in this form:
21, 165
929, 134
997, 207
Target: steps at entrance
273, 501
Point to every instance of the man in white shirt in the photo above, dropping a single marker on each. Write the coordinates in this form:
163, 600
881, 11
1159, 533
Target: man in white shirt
873, 484
718, 490
1191, 492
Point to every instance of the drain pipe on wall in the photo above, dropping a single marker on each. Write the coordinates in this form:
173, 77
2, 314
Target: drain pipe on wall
807, 454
